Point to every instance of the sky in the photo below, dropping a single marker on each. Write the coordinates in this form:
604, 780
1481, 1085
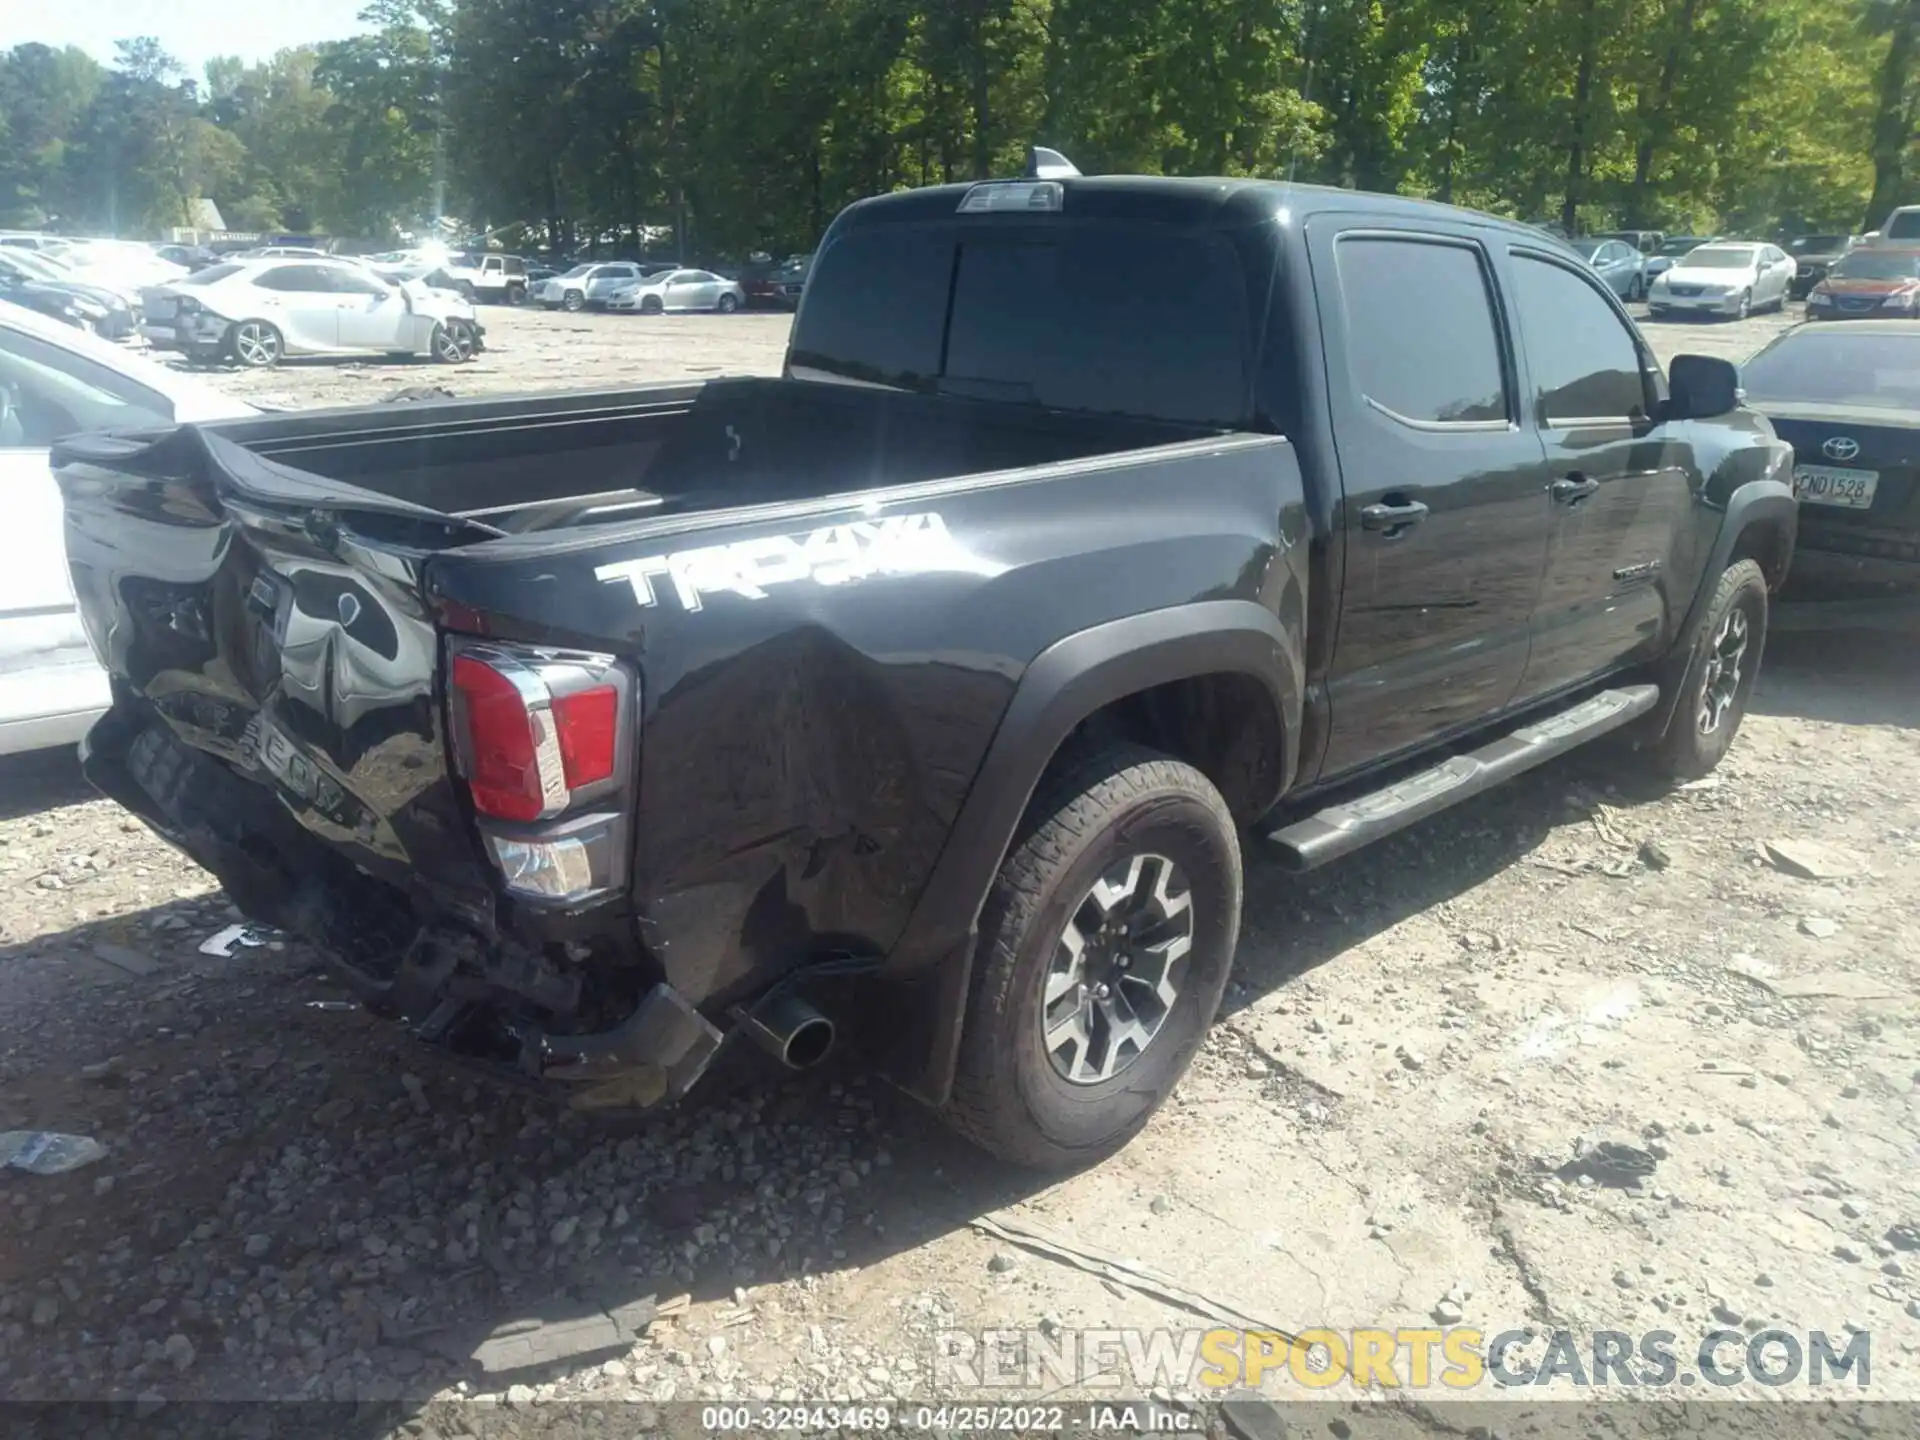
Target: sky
193, 31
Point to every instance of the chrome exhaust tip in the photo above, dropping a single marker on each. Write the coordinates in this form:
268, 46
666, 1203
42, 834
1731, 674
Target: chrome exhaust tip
790, 1030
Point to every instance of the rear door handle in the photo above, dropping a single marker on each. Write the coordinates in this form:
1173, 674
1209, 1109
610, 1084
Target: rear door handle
1573, 489
1392, 519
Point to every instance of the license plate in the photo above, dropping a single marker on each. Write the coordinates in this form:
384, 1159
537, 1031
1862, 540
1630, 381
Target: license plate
1831, 485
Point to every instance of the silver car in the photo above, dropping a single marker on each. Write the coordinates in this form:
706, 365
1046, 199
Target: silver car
680, 290
585, 286
1728, 277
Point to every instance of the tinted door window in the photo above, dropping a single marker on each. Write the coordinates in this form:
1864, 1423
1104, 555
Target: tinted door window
1905, 226
302, 278
1420, 330
346, 282
1584, 359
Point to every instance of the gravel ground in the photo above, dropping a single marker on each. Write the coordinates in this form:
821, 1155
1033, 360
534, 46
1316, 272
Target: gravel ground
530, 349
1392, 1123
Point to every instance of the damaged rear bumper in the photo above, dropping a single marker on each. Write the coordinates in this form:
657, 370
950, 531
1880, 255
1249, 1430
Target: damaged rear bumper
531, 1011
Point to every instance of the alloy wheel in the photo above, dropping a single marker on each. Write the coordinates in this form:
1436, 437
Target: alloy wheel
454, 343
256, 344
1725, 662
1116, 970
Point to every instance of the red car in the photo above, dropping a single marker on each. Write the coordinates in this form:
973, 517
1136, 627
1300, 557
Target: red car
1869, 283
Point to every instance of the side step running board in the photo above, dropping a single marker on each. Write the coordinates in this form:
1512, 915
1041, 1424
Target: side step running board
1341, 829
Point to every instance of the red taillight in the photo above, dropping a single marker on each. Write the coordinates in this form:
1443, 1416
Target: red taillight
502, 749
588, 724
535, 731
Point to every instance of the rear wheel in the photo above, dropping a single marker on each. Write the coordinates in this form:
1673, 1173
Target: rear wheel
1718, 679
1104, 948
728, 305
255, 344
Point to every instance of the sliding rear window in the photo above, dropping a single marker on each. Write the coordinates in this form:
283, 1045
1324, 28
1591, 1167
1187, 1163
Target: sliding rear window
1132, 320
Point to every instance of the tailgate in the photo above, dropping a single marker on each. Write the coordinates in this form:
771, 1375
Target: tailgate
278, 625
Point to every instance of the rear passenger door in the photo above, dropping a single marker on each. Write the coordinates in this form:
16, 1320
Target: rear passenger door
1444, 515
301, 302
1617, 485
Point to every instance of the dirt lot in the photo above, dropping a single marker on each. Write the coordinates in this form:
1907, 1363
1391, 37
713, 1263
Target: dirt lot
530, 349
1392, 1124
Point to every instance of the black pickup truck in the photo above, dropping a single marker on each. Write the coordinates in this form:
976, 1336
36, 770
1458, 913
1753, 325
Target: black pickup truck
921, 695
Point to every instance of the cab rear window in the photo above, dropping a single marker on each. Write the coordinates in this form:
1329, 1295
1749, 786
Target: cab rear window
1110, 319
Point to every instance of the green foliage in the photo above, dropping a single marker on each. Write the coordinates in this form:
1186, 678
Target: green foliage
736, 125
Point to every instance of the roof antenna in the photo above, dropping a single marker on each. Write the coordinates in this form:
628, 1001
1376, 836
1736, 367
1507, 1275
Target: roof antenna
1045, 164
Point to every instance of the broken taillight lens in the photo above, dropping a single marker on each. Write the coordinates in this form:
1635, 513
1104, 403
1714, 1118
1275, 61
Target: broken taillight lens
536, 732
502, 749
588, 724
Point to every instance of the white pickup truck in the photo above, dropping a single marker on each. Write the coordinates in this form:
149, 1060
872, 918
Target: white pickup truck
54, 381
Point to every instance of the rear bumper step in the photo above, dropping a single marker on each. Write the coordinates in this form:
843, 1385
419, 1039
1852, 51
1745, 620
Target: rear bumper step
1343, 828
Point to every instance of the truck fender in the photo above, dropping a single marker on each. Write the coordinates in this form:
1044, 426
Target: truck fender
921, 992
1765, 502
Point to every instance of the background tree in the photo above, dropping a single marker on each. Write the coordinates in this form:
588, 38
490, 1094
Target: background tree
719, 127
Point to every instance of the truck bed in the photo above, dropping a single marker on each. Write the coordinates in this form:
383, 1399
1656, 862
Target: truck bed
547, 462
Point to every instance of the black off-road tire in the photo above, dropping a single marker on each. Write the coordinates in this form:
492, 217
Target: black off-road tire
1689, 749
1089, 815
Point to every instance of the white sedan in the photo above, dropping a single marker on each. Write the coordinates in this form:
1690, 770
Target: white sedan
680, 290
54, 381
258, 312
1725, 278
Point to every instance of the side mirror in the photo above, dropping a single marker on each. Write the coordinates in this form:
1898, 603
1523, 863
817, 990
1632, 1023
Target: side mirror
1699, 387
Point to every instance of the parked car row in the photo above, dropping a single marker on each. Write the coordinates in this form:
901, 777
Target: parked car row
30, 280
